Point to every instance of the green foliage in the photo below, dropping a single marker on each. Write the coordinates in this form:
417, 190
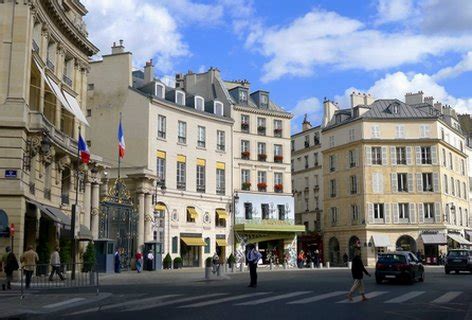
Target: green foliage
89, 258
167, 262
178, 262
208, 262
44, 253
231, 259
66, 251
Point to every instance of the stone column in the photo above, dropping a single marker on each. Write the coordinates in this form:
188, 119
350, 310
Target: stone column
95, 209
148, 210
87, 203
141, 212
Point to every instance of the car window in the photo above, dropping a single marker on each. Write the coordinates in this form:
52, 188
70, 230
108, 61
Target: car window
392, 258
461, 253
412, 257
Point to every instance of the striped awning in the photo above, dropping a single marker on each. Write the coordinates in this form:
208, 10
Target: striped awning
192, 212
221, 242
222, 214
194, 242
435, 238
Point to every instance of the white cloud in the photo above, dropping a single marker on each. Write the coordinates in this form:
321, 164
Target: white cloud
445, 17
393, 10
312, 107
465, 65
188, 12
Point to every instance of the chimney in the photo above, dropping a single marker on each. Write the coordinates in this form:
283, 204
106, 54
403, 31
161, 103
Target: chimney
414, 98
358, 98
306, 125
368, 99
116, 49
429, 100
329, 109
148, 72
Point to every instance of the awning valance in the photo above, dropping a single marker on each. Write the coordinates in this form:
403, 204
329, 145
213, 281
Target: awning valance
221, 242
459, 239
161, 154
220, 165
380, 240
192, 212
181, 158
160, 207
436, 238
222, 214
58, 93
84, 233
195, 242
75, 106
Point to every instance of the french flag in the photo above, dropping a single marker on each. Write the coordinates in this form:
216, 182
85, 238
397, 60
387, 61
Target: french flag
83, 150
121, 141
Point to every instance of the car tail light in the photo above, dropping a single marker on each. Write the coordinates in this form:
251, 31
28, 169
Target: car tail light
380, 266
402, 267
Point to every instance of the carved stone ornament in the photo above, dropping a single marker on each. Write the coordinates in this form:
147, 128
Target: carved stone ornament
148, 218
94, 211
174, 216
206, 218
49, 157
35, 143
63, 163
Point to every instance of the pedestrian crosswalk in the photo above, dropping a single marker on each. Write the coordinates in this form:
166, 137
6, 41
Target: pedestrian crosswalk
240, 300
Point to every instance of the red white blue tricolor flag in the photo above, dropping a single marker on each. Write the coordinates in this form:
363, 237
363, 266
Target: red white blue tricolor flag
83, 150
121, 141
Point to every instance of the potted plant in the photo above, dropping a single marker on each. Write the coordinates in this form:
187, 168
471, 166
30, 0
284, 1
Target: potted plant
278, 131
278, 158
231, 260
167, 263
44, 256
89, 258
262, 156
65, 253
262, 186
261, 128
246, 185
278, 187
178, 263
244, 125
245, 154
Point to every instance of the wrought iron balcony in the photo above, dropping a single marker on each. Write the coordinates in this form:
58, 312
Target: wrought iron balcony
201, 188
65, 198
67, 80
50, 65
181, 185
35, 46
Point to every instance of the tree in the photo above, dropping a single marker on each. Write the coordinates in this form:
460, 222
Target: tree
89, 258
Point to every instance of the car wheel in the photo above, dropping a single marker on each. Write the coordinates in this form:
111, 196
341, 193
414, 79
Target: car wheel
421, 279
447, 271
378, 280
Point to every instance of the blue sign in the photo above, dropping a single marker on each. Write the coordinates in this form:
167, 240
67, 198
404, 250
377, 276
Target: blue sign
11, 174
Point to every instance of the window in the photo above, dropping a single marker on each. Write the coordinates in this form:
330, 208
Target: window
354, 213
403, 211
402, 182
462, 167
207, 248
244, 146
220, 181
245, 179
278, 182
453, 190
426, 155
242, 95
261, 126
401, 155
89, 112
161, 127
181, 175
307, 204
315, 158
281, 211
352, 158
220, 137
400, 131
316, 138
446, 184
248, 210
182, 132
159, 90
200, 175
458, 184
427, 182
292, 145
261, 180
180, 97
278, 156
90, 86
375, 132
306, 162
199, 104
265, 211
218, 106
451, 164
332, 188
428, 210
161, 170
376, 155
317, 181
332, 163
424, 131
317, 203
378, 211
264, 100
261, 151
175, 241
395, 108
307, 141
331, 141
201, 137
334, 216
244, 123
444, 158
351, 134
465, 190
278, 128
353, 182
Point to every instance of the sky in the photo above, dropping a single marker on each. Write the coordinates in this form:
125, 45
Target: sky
301, 51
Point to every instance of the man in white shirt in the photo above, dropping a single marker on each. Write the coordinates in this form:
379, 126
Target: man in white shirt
56, 265
253, 257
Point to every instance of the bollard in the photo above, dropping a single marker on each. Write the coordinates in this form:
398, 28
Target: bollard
218, 271
271, 266
349, 264
328, 265
312, 265
321, 265
207, 273
285, 265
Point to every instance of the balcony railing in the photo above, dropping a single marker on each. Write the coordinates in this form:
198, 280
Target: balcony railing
220, 191
307, 144
265, 221
50, 65
181, 185
35, 46
245, 127
67, 80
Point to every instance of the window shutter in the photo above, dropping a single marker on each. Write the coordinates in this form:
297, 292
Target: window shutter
412, 213
419, 182
435, 182
410, 182
368, 156
384, 156
370, 213
393, 156
418, 155
437, 212
408, 156
420, 213
434, 155
380, 180
395, 212
394, 182
387, 213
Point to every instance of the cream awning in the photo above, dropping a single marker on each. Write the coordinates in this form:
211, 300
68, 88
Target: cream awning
160, 207
435, 238
222, 214
459, 239
76, 109
220, 165
161, 154
192, 212
221, 242
181, 158
58, 93
195, 242
380, 240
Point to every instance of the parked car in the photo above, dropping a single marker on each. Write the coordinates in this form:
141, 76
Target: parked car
399, 265
458, 260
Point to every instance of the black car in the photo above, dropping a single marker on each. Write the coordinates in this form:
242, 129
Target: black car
458, 260
398, 265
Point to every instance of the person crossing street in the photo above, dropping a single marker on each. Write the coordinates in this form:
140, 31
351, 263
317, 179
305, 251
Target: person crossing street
253, 258
358, 271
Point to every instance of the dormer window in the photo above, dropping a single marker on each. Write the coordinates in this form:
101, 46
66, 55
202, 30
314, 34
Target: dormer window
180, 97
243, 95
218, 108
395, 108
199, 104
159, 90
264, 100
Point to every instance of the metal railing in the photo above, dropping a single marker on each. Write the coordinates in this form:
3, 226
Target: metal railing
67, 80
47, 276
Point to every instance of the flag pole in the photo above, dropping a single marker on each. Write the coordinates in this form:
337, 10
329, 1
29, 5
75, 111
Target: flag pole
119, 157
74, 212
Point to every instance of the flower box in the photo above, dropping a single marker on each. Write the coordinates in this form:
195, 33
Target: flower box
244, 126
245, 155
262, 186
278, 158
246, 185
278, 187
262, 157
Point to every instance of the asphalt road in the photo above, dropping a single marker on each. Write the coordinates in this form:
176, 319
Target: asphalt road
306, 294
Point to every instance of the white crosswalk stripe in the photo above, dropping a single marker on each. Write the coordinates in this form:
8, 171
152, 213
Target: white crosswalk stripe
209, 303
406, 297
274, 298
447, 297
63, 303
167, 303
138, 301
318, 297
369, 295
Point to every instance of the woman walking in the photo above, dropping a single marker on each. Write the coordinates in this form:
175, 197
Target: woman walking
358, 271
139, 261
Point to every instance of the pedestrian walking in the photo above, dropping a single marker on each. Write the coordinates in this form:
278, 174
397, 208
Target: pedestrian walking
345, 259
139, 261
10, 264
150, 261
215, 262
56, 265
253, 258
301, 259
358, 271
29, 260
117, 261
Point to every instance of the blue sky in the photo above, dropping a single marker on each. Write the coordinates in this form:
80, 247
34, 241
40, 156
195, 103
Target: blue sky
302, 51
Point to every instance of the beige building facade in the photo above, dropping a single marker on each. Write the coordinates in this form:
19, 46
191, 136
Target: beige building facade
395, 175
43, 78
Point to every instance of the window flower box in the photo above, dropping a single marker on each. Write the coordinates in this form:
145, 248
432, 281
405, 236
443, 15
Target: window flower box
262, 186
278, 132
244, 126
246, 186
245, 155
278, 159
278, 187
261, 130
262, 157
